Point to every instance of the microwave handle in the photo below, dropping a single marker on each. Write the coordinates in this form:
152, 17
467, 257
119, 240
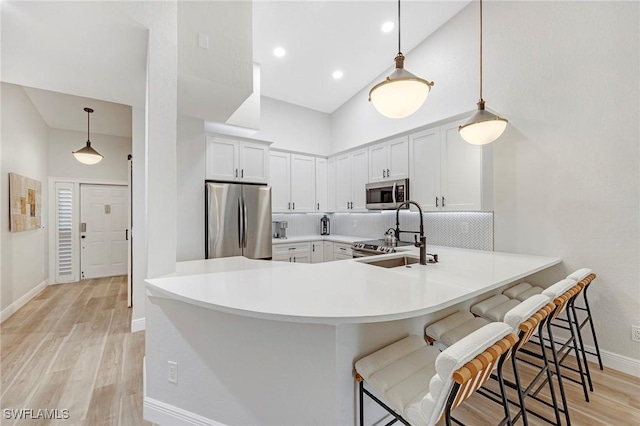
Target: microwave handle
394, 192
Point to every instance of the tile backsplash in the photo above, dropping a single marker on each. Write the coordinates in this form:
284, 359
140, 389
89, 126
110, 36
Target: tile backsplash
472, 230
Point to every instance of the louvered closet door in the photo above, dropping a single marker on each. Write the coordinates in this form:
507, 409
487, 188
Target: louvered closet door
65, 233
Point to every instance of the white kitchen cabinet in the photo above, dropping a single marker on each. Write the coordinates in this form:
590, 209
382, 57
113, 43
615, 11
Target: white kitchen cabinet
303, 177
292, 183
317, 252
328, 251
237, 161
321, 185
389, 160
331, 185
280, 181
295, 253
351, 178
342, 251
446, 172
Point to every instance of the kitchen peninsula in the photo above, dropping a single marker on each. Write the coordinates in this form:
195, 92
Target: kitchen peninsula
274, 343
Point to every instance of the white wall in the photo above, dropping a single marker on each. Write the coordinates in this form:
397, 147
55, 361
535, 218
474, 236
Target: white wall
566, 181
112, 167
294, 127
25, 145
191, 174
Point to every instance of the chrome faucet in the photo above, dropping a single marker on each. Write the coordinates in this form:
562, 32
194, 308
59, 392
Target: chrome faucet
422, 243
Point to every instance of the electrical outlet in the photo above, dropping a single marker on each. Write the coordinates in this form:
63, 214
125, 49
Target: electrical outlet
464, 228
635, 333
173, 372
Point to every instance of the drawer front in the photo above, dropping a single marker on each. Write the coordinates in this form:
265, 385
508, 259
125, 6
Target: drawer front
281, 249
342, 249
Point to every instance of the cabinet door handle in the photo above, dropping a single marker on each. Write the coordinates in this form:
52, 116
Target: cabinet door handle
352, 205
443, 201
294, 205
294, 259
383, 173
236, 172
347, 205
292, 248
289, 259
242, 173
318, 206
313, 247
388, 174
289, 205
436, 201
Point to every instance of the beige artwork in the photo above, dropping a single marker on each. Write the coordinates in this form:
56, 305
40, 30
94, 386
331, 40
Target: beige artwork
25, 197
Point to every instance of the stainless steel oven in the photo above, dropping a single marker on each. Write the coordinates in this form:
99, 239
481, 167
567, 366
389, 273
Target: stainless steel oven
387, 195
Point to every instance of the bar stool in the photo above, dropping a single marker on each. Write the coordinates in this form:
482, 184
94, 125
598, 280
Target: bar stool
422, 384
525, 319
586, 277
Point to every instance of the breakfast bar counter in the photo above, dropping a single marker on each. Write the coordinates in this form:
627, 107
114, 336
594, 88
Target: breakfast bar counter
260, 342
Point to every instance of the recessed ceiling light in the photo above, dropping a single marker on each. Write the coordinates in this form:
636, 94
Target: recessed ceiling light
279, 52
337, 75
387, 27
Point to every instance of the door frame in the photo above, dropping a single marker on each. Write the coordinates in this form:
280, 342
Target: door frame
76, 214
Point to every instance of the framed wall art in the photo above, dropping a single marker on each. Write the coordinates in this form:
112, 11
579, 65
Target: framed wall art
25, 200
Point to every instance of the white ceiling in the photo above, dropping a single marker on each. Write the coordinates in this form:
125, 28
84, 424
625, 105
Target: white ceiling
92, 49
323, 36
61, 111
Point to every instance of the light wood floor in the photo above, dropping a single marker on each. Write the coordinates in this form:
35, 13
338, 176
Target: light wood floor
70, 348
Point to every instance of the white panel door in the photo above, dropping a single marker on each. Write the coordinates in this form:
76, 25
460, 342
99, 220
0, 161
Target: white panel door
424, 176
317, 252
343, 183
398, 158
328, 251
359, 179
331, 185
461, 172
280, 181
103, 247
378, 163
321, 185
254, 162
303, 183
222, 159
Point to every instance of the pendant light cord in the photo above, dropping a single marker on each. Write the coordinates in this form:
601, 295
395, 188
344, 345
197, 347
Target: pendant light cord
481, 50
399, 50
88, 117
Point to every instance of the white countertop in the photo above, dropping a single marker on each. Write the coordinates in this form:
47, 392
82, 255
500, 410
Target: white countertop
335, 238
346, 291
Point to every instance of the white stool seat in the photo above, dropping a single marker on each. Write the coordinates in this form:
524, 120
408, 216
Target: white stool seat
528, 293
497, 313
481, 309
449, 330
580, 274
512, 292
415, 379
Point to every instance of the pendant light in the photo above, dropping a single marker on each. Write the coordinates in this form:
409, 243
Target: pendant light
402, 93
483, 127
88, 155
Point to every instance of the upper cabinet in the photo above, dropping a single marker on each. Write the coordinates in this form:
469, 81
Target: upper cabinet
298, 182
351, 178
322, 195
447, 173
389, 160
236, 161
331, 184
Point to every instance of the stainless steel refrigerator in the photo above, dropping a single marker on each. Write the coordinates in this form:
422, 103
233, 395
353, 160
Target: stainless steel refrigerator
237, 220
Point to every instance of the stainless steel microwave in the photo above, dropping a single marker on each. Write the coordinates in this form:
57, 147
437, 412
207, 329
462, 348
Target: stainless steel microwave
387, 195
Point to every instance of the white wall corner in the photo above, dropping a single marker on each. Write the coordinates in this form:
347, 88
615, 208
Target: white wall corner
138, 325
12, 308
161, 413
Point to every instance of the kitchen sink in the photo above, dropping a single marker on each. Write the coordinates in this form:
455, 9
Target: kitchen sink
395, 262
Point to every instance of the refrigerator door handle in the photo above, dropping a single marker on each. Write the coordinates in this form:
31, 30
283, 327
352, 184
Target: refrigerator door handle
240, 225
244, 224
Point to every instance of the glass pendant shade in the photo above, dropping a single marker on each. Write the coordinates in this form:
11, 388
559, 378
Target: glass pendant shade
483, 127
401, 94
88, 155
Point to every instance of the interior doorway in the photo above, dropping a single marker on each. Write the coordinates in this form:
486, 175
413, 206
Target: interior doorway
103, 230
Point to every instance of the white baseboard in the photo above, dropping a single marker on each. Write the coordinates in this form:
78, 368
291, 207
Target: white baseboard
138, 325
161, 413
12, 308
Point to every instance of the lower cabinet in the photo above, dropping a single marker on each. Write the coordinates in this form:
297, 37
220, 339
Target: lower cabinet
317, 252
328, 251
311, 252
342, 251
296, 253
